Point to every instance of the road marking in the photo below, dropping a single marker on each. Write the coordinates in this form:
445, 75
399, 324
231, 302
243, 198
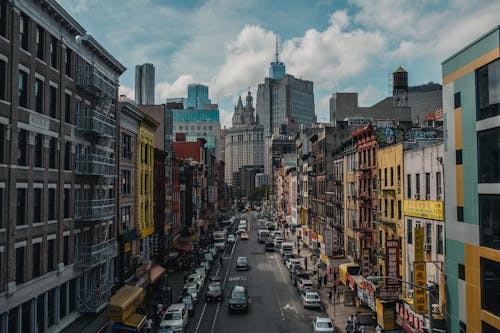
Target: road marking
201, 317
236, 278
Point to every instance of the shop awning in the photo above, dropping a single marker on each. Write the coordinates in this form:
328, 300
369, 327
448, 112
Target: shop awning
155, 272
180, 245
135, 320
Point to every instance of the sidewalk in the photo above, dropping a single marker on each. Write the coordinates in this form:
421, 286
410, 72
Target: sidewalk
335, 310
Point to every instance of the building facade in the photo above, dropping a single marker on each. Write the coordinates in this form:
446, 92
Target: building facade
58, 171
351, 209
472, 184
197, 96
145, 84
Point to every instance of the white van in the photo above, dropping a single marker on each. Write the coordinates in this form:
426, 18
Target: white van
263, 235
286, 248
175, 318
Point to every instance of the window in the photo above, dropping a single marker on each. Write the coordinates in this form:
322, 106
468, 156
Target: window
53, 101
392, 209
399, 210
408, 186
398, 173
409, 231
488, 146
417, 185
37, 205
52, 204
51, 252
66, 202
385, 207
51, 307
3, 79
37, 262
52, 153
1, 211
67, 61
461, 272
39, 96
23, 89
458, 157
126, 218
67, 108
66, 250
489, 220
22, 147
53, 52
40, 43
20, 265
67, 155
24, 38
39, 150
439, 186
460, 214
72, 295
428, 233
487, 328
385, 176
392, 176
40, 312
21, 206
427, 185
3, 18
126, 146
457, 100
490, 286
126, 181
488, 90
440, 240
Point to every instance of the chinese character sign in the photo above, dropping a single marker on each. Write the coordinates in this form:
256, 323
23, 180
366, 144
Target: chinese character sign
392, 261
420, 294
418, 247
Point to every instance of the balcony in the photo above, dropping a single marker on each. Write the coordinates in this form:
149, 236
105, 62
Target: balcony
92, 80
94, 300
94, 122
93, 255
93, 210
94, 164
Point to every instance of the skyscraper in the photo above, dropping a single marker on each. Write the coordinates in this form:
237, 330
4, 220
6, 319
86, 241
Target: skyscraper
145, 84
277, 69
197, 96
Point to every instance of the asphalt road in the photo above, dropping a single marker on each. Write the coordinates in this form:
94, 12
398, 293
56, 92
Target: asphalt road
274, 303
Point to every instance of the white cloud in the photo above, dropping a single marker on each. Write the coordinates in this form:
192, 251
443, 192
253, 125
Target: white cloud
369, 95
178, 88
127, 91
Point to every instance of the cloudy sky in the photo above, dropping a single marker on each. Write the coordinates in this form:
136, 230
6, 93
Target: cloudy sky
340, 45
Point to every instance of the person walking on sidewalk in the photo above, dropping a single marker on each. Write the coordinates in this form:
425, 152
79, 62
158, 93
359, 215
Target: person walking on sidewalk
148, 326
325, 279
348, 327
330, 293
298, 251
305, 262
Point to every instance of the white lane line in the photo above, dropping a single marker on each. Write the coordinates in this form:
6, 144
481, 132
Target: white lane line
225, 279
281, 270
201, 317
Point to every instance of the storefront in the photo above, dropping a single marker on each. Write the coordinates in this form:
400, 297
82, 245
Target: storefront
408, 319
366, 294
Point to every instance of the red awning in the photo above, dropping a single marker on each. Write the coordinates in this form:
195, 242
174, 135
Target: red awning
155, 272
184, 246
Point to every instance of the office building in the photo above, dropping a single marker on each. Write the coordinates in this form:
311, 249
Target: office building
471, 107
197, 96
58, 92
145, 84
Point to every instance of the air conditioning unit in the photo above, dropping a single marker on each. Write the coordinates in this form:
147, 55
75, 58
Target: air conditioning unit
428, 247
399, 183
440, 197
410, 293
417, 196
428, 197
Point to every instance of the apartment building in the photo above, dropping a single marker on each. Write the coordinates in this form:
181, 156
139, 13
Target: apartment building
58, 171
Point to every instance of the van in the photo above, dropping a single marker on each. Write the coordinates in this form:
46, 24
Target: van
286, 248
277, 233
263, 235
175, 318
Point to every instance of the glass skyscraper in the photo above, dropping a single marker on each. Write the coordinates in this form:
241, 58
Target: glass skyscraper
197, 96
145, 84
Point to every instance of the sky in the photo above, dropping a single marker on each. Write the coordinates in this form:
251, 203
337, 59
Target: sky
341, 46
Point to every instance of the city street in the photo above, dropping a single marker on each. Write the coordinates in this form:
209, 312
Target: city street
274, 303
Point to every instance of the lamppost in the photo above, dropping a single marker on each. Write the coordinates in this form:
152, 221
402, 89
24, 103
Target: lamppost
429, 301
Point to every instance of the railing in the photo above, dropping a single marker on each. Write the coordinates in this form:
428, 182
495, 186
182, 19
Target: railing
91, 210
93, 255
94, 300
95, 164
94, 121
92, 80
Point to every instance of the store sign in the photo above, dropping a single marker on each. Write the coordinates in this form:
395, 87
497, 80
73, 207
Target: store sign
409, 317
420, 294
367, 298
303, 216
388, 293
392, 261
365, 263
328, 238
433, 210
418, 247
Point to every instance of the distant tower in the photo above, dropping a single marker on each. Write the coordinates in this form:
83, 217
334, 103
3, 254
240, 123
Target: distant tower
277, 68
400, 87
145, 84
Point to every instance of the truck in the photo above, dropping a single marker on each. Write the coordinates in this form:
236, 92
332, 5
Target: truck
220, 239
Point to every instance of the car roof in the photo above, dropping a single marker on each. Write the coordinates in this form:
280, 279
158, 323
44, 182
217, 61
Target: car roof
312, 292
189, 285
176, 307
242, 258
307, 281
323, 319
238, 288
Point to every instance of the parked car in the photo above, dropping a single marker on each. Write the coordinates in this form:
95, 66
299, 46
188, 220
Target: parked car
231, 239
193, 290
303, 283
207, 265
195, 278
175, 318
299, 276
214, 292
290, 261
242, 263
188, 301
310, 299
238, 299
322, 325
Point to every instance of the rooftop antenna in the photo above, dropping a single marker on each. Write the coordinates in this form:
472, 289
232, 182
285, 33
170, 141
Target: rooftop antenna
277, 48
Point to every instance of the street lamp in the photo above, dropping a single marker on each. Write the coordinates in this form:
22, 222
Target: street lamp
427, 289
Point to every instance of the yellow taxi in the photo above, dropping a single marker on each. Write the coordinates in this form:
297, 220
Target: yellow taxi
244, 236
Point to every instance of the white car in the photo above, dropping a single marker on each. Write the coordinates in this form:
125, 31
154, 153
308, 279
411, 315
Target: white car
195, 278
323, 325
231, 239
175, 318
310, 299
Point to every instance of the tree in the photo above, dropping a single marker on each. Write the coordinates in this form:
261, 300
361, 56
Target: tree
259, 193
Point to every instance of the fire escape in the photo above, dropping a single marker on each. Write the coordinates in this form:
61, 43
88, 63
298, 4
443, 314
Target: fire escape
95, 164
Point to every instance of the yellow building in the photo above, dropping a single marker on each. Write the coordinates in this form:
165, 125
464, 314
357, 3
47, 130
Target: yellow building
389, 219
145, 165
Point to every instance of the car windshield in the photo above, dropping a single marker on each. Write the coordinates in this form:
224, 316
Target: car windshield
242, 260
173, 316
312, 296
187, 300
238, 295
324, 324
191, 290
214, 286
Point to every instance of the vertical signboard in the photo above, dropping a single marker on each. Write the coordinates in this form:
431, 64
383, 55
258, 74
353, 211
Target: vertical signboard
328, 239
392, 261
365, 263
419, 272
303, 216
335, 242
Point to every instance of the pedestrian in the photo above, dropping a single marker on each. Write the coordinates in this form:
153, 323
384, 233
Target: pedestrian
305, 262
355, 321
378, 329
348, 327
325, 279
149, 325
298, 251
330, 293
159, 308
349, 319
362, 329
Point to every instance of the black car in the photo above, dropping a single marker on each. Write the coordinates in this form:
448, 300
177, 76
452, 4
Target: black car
238, 299
269, 246
271, 227
214, 292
